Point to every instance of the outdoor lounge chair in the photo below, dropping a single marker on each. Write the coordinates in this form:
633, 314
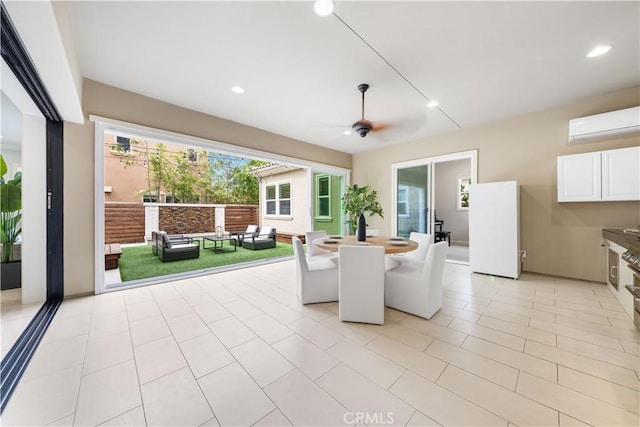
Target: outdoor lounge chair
175, 238
173, 251
265, 239
252, 230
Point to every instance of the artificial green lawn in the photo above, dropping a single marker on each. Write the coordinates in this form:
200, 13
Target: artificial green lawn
138, 262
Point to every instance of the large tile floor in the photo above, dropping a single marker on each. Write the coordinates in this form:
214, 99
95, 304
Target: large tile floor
237, 348
14, 317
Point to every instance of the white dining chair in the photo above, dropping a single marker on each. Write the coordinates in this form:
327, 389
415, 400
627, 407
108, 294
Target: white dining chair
314, 252
361, 284
416, 288
317, 281
419, 255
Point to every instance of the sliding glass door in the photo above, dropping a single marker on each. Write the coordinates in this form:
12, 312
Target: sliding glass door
413, 198
414, 192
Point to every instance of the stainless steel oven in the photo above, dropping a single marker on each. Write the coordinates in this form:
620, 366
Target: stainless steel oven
635, 291
632, 257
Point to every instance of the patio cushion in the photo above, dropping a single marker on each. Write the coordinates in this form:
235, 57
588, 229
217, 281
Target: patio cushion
251, 230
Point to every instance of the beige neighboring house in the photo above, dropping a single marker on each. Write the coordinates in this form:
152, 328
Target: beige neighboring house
129, 184
284, 197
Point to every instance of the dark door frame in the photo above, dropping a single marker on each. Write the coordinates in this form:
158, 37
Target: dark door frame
17, 58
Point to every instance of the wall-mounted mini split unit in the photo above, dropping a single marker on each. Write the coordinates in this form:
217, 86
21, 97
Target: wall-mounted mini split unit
604, 125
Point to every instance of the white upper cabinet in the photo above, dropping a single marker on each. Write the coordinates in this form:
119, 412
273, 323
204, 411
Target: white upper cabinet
600, 176
621, 174
579, 178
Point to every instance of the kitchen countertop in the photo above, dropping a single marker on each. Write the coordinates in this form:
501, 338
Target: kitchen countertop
617, 235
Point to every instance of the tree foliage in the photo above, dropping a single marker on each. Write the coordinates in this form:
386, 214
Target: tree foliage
209, 178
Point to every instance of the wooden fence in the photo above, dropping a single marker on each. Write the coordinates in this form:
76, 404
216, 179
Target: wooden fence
237, 217
123, 222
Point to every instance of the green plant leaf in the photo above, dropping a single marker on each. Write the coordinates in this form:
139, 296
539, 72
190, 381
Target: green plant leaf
360, 200
3, 167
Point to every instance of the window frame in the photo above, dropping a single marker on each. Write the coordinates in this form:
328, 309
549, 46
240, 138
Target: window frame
120, 146
462, 192
405, 202
192, 155
277, 200
151, 197
319, 215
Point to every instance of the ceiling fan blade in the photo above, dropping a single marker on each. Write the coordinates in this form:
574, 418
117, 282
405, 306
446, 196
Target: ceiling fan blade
377, 127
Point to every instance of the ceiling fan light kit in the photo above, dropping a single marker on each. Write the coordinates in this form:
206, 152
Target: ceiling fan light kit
362, 127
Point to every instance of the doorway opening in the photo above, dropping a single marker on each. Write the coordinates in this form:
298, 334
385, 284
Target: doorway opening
431, 196
284, 201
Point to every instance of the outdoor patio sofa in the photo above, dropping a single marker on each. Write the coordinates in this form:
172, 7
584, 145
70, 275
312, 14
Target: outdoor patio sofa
174, 238
265, 239
176, 250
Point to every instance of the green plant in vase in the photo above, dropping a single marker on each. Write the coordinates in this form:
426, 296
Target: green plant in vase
359, 202
10, 211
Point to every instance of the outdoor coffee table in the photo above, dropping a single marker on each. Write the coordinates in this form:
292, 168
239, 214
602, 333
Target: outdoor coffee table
218, 249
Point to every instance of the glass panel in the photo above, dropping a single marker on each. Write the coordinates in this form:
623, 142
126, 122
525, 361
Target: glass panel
323, 186
285, 191
285, 207
323, 206
271, 207
403, 205
22, 148
413, 198
271, 192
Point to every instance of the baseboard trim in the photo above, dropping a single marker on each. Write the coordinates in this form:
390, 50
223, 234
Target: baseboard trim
17, 359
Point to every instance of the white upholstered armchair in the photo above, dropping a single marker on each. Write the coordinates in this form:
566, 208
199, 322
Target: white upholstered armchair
317, 281
415, 287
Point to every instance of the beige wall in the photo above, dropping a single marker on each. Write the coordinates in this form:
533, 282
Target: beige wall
299, 220
110, 102
560, 238
129, 182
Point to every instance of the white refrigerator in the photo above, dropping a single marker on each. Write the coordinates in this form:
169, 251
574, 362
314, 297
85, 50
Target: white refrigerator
494, 228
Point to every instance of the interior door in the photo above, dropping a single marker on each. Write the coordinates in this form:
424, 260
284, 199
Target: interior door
414, 199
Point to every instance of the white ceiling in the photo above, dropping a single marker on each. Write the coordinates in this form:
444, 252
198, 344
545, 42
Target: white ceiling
483, 61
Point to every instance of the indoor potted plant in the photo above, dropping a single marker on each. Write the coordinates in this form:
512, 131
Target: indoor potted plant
358, 202
10, 225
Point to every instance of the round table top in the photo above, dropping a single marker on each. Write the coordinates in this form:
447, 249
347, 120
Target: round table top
391, 245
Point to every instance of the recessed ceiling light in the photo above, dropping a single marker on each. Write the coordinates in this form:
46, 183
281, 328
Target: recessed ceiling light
432, 104
347, 132
323, 7
599, 50
237, 89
